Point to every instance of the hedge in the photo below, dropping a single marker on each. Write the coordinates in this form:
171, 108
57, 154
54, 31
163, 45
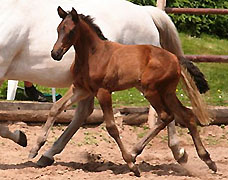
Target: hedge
197, 24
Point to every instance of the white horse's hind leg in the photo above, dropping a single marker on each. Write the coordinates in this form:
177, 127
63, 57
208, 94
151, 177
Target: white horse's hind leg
173, 141
179, 154
152, 117
17, 136
84, 109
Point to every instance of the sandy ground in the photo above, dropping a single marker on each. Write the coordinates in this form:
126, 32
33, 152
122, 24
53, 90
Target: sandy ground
92, 154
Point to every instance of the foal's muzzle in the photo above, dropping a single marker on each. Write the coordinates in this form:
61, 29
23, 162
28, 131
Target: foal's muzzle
57, 55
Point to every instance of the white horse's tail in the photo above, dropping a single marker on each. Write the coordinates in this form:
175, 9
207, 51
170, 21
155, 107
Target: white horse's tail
170, 41
169, 37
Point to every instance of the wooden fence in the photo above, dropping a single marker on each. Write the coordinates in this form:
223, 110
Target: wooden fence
196, 11
197, 58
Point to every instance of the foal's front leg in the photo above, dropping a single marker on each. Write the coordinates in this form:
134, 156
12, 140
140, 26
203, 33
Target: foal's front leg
105, 100
72, 96
82, 112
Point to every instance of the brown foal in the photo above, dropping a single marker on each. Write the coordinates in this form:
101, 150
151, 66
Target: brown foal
102, 67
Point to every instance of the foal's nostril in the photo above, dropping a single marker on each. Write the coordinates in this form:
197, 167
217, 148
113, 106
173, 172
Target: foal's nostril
53, 54
56, 55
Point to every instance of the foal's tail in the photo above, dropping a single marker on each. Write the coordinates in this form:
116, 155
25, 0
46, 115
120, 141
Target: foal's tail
170, 41
199, 107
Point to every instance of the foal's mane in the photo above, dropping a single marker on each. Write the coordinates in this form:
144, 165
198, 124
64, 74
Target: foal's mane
90, 21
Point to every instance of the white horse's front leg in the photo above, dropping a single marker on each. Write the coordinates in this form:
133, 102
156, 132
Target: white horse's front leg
179, 154
17, 136
11, 89
72, 96
82, 112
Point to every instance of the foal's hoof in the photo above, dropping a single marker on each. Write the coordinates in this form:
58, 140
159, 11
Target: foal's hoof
33, 153
133, 157
136, 171
22, 140
134, 153
45, 161
184, 158
212, 166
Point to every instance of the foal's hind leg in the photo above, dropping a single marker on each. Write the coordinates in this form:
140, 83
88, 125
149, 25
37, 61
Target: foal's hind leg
104, 98
164, 119
72, 96
189, 120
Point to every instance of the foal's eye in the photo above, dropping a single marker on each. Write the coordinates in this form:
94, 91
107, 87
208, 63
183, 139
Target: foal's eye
71, 34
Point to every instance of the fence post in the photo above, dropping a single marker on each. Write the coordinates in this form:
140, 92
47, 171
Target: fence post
161, 4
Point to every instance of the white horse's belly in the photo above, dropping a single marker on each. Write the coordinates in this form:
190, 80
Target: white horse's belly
42, 69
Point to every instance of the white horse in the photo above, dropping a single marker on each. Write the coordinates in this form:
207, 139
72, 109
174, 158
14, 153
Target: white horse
28, 32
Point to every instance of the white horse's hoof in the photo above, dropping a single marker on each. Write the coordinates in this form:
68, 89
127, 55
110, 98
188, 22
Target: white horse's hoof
183, 156
22, 139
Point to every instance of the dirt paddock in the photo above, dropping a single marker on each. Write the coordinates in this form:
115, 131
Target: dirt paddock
92, 154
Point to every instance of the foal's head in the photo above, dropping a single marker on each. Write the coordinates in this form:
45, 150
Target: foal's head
67, 33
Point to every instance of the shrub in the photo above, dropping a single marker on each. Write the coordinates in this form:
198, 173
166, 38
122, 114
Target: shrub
197, 24
144, 2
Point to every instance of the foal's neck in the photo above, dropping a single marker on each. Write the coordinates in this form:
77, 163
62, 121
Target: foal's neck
88, 42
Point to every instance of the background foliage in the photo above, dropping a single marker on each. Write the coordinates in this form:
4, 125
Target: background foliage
197, 24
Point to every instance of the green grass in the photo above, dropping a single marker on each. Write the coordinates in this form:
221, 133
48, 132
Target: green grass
216, 74
204, 45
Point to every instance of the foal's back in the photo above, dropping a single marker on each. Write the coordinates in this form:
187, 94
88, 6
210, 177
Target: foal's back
128, 65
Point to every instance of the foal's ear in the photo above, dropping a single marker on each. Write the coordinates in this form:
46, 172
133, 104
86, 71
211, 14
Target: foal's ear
74, 15
61, 12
